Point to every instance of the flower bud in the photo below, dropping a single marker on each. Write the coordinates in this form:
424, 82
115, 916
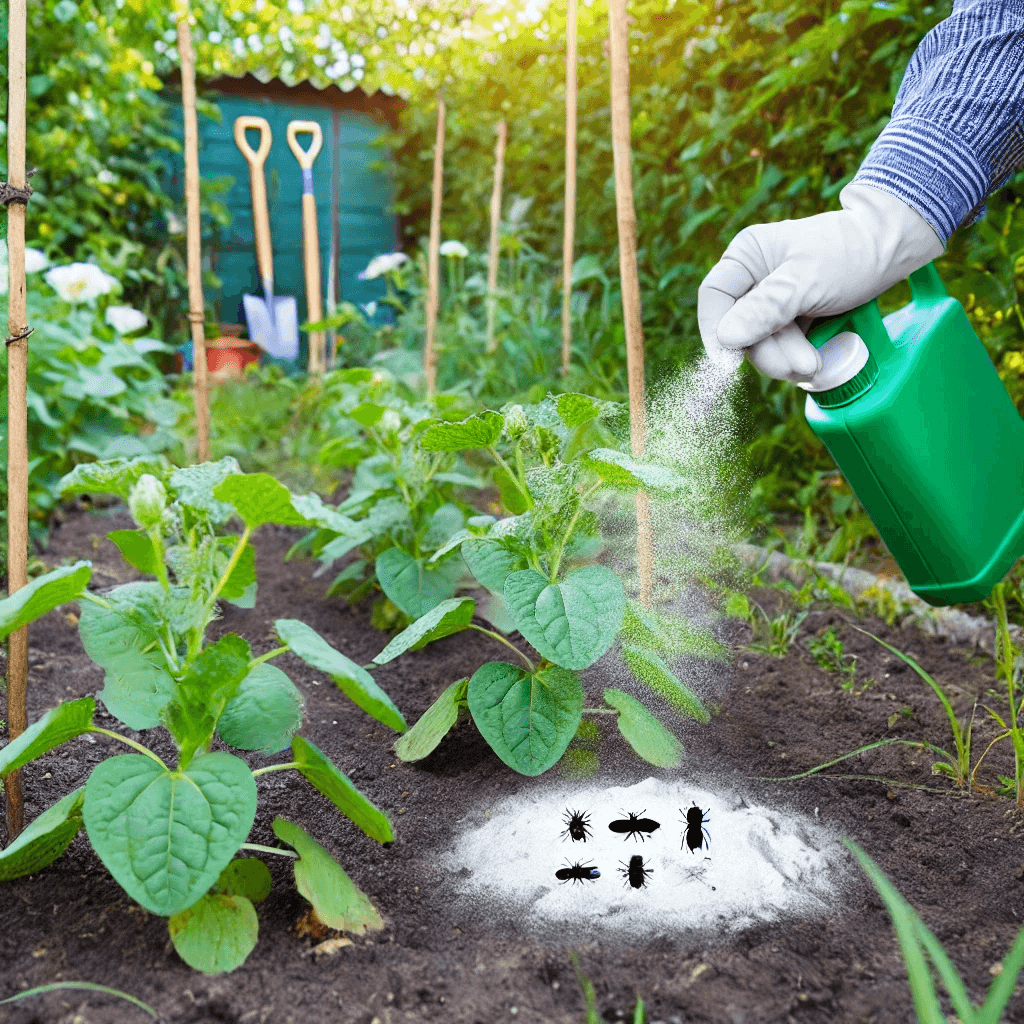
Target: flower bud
390, 421
147, 501
516, 423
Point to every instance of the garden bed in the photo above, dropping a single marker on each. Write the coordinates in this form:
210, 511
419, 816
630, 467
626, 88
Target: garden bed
959, 861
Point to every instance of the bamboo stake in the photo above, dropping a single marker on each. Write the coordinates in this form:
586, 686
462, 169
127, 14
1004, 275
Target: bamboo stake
434, 255
628, 277
196, 314
17, 397
569, 238
492, 261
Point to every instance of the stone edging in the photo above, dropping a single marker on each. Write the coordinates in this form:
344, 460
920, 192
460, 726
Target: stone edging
952, 623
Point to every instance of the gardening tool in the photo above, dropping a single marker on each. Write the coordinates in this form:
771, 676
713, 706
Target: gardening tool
273, 320
917, 419
310, 236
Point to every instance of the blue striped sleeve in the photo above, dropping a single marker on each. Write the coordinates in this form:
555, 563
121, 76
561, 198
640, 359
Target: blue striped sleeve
957, 127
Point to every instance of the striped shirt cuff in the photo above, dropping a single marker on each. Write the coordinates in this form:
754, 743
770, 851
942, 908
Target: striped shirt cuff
929, 168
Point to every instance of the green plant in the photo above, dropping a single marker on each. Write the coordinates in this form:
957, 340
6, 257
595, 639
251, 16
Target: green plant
169, 835
590, 996
1008, 666
827, 650
83, 986
539, 566
924, 958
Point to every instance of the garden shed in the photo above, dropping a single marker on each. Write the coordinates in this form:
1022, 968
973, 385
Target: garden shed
353, 196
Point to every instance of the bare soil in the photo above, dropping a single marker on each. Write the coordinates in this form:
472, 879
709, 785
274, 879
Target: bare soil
958, 860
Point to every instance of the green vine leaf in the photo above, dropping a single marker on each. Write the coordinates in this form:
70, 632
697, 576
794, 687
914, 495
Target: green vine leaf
43, 594
45, 839
479, 431
265, 713
653, 672
57, 726
411, 585
448, 617
259, 498
643, 732
216, 934
433, 725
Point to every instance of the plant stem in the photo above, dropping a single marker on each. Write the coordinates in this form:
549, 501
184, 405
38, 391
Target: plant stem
258, 848
86, 596
514, 477
131, 743
158, 547
599, 711
266, 657
196, 641
274, 768
497, 636
572, 526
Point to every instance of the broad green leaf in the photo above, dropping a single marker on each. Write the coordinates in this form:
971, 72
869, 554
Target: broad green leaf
194, 486
445, 522
265, 713
353, 680
242, 577
115, 476
43, 594
136, 689
622, 470
574, 410
491, 563
129, 625
367, 414
216, 934
528, 720
336, 899
312, 507
136, 548
212, 681
57, 726
166, 836
653, 672
479, 431
512, 496
495, 611
45, 839
410, 584
259, 498
321, 772
643, 732
571, 623
245, 876
341, 546
433, 724
448, 617
454, 541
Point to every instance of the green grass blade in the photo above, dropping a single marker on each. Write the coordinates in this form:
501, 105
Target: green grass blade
639, 1016
951, 714
904, 920
954, 985
87, 986
1002, 988
854, 753
589, 995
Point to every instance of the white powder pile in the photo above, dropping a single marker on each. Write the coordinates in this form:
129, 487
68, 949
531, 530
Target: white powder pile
762, 865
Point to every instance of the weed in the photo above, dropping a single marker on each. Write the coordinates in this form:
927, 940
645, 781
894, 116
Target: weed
1008, 666
590, 997
827, 650
83, 986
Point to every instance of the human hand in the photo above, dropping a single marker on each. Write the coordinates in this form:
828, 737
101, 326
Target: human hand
773, 279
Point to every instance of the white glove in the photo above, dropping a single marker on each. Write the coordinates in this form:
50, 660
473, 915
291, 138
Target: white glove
772, 274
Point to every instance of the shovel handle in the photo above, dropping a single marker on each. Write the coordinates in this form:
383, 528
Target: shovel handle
258, 188
310, 235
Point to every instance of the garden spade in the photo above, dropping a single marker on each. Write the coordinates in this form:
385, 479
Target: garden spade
273, 321
310, 236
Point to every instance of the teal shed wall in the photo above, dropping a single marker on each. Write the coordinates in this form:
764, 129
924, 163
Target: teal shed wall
364, 195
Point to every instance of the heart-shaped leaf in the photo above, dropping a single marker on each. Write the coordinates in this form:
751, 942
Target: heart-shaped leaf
265, 713
136, 548
43, 594
136, 689
166, 836
353, 680
245, 876
448, 617
491, 563
574, 409
57, 726
571, 623
45, 839
643, 732
216, 934
259, 498
115, 476
528, 719
411, 585
321, 772
194, 486
479, 431
433, 724
336, 899
651, 670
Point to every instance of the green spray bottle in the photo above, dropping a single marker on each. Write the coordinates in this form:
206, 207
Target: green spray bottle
919, 423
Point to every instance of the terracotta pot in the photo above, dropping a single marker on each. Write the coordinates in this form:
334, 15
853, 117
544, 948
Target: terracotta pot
228, 357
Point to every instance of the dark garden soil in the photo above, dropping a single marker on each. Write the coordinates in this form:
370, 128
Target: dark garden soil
959, 861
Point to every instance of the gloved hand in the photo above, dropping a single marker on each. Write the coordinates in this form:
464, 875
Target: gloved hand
773, 279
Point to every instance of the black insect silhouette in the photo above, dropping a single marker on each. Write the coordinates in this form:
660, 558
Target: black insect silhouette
634, 825
577, 826
578, 873
695, 830
635, 873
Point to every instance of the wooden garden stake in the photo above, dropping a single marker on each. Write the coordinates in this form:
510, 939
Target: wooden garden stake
434, 256
193, 235
569, 238
492, 260
628, 277
15, 197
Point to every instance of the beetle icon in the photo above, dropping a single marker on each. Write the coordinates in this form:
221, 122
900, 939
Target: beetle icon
634, 825
695, 830
577, 826
635, 873
578, 873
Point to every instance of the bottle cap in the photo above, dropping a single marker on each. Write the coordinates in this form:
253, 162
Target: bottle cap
847, 370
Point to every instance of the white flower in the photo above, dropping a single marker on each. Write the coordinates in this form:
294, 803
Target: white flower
520, 208
370, 309
106, 177
453, 248
382, 265
175, 225
125, 319
35, 260
390, 421
80, 282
